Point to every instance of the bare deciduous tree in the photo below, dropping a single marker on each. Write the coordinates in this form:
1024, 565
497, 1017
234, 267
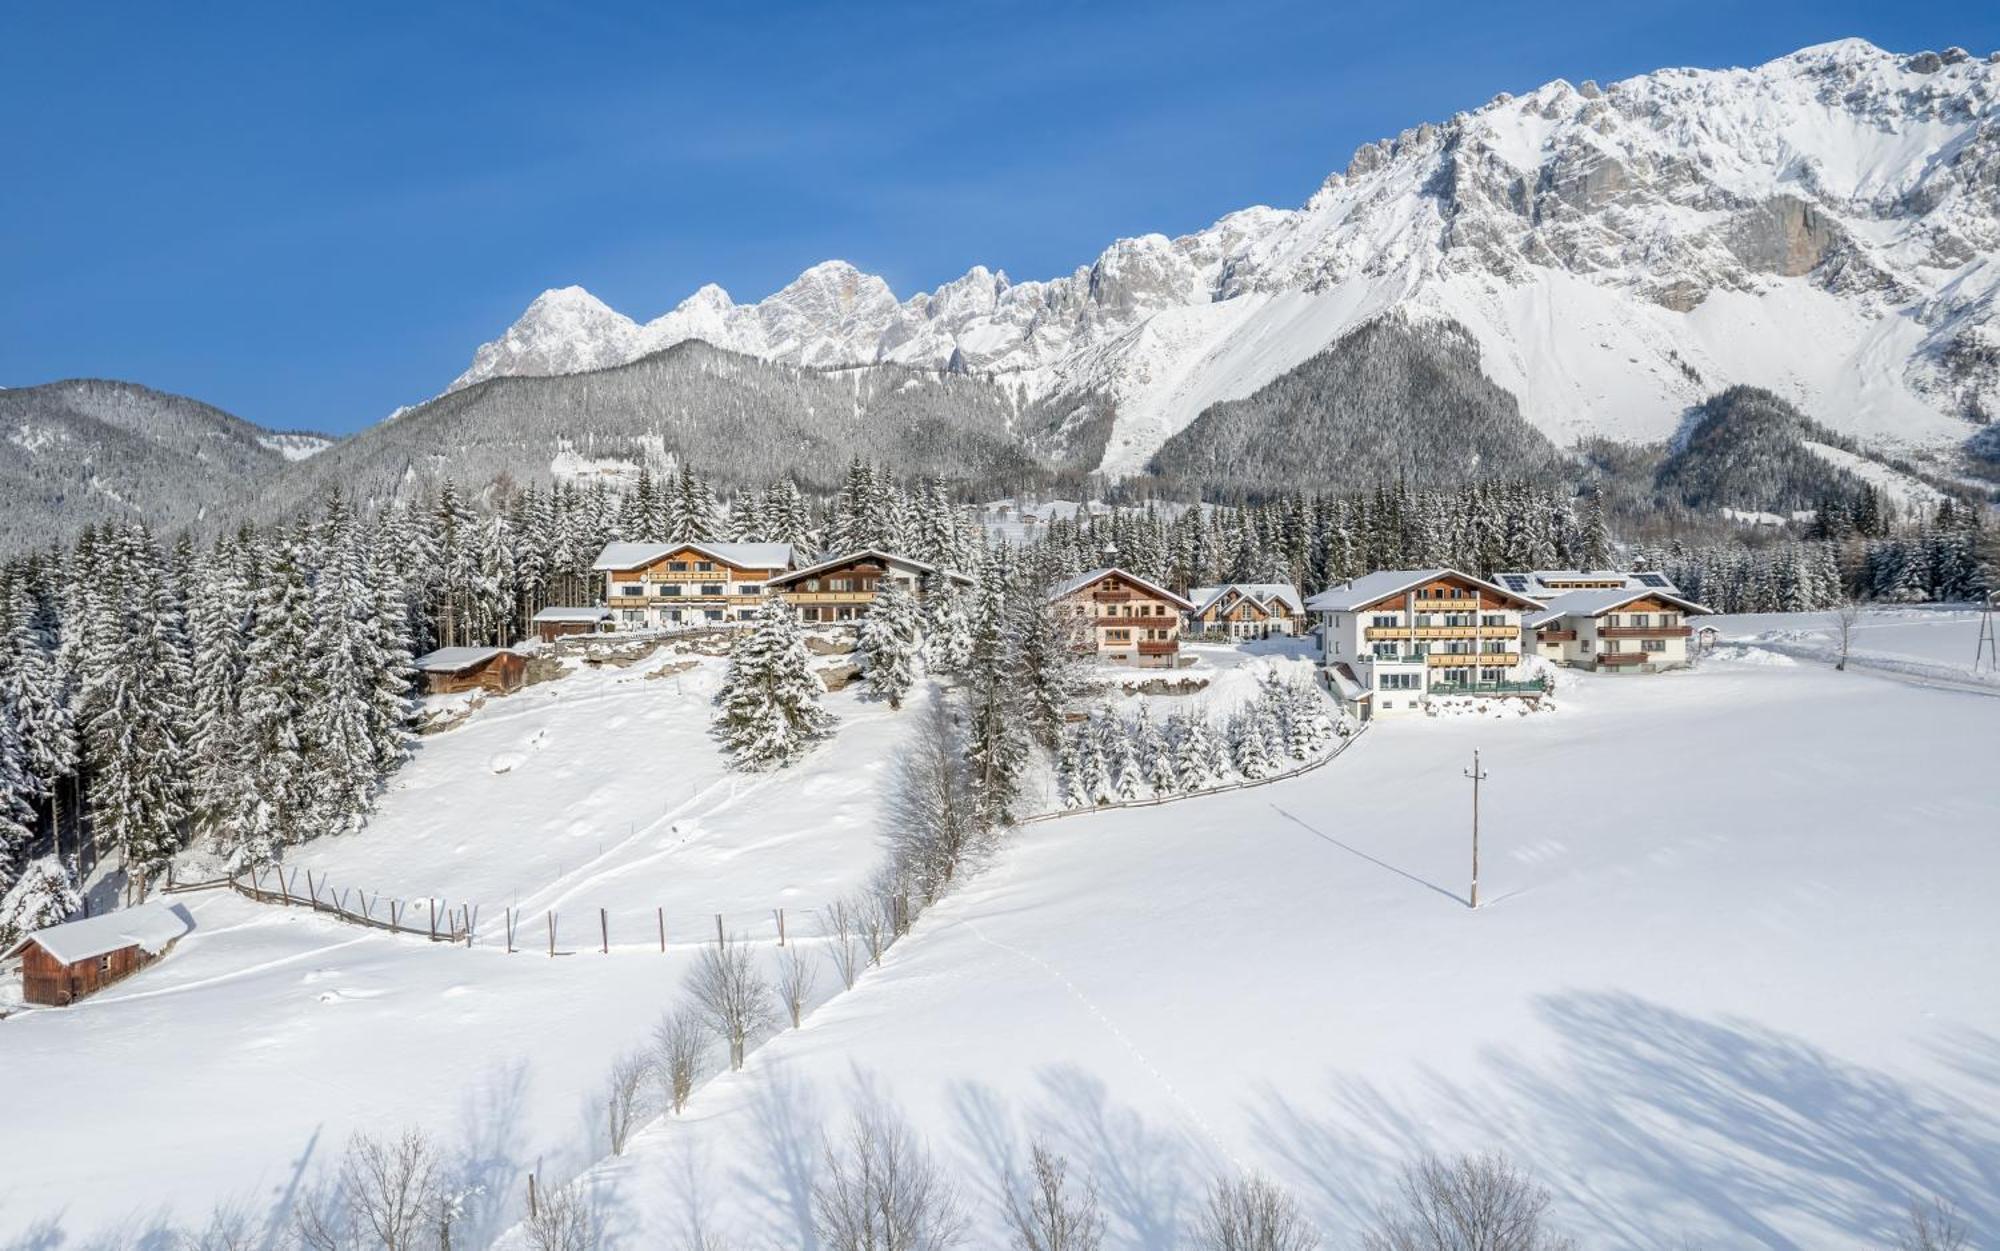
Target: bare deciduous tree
1934, 1226
796, 978
1252, 1214
1846, 612
880, 1191
1472, 1201
565, 1220
733, 994
1046, 1214
229, 1228
877, 927
839, 922
625, 1099
679, 1043
390, 1195
934, 823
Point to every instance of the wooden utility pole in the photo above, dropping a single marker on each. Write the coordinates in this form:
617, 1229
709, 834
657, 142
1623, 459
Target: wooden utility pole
1477, 775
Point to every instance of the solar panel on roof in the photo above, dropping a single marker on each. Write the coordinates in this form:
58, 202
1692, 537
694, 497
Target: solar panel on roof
1651, 579
1516, 582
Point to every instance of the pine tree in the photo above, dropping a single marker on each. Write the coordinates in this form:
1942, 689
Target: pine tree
218, 624
768, 711
137, 680
1250, 746
274, 806
33, 684
948, 628
998, 742
891, 641
1156, 759
690, 510
1070, 788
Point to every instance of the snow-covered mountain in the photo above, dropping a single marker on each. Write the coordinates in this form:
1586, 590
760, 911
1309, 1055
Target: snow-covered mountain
1826, 225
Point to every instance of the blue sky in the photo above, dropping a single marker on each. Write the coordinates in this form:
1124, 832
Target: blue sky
311, 214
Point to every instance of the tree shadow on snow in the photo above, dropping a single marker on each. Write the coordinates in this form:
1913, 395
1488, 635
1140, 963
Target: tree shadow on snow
1652, 1124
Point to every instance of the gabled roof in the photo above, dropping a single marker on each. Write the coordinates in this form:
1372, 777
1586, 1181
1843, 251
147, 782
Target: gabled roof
1358, 593
1349, 686
1259, 593
454, 659
887, 558
1597, 603
1081, 580
616, 556
147, 926
573, 614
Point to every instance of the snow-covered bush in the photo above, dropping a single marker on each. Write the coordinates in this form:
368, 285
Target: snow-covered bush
42, 896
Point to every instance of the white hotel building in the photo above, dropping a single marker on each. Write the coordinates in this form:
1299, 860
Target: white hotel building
1393, 638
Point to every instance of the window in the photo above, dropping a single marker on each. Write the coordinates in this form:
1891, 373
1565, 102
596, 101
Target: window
1493, 619
747, 588
1117, 636
631, 590
1424, 619
635, 616
1670, 619
1385, 622
1642, 620
1385, 651
1495, 645
1652, 645
711, 588
713, 614
704, 566
678, 566
1492, 675
1398, 681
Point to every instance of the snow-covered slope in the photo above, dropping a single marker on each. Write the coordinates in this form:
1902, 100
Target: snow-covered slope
1823, 225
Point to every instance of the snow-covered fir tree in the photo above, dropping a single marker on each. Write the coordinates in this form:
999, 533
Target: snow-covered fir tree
768, 712
274, 801
947, 627
891, 643
42, 895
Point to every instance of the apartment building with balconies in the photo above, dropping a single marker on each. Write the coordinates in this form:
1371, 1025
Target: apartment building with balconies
1626, 630
660, 586
1392, 639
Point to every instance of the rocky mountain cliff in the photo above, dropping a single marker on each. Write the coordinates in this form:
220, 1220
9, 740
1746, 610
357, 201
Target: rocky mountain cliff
1825, 225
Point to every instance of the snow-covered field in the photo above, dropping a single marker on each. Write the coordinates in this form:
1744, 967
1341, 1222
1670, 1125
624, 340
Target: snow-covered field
238, 1067
1927, 642
1732, 979
1732, 982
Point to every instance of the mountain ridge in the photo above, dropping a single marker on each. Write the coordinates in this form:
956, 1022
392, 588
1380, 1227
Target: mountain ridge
1820, 224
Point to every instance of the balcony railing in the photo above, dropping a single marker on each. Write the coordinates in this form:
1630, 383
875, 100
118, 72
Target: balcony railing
1644, 632
1489, 688
1468, 604
1624, 658
1556, 636
1159, 647
1446, 660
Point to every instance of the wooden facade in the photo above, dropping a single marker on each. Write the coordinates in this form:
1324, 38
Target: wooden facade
557, 623
48, 981
1124, 619
501, 673
844, 589
688, 584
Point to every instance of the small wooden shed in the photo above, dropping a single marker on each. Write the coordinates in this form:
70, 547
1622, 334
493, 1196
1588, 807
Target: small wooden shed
450, 669
63, 963
554, 623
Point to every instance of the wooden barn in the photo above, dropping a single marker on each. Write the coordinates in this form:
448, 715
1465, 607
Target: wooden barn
450, 669
63, 963
554, 623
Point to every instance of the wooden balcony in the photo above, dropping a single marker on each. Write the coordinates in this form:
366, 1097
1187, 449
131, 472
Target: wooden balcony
1440, 632
1624, 658
1644, 632
1556, 636
1451, 660
1159, 647
829, 597
1468, 604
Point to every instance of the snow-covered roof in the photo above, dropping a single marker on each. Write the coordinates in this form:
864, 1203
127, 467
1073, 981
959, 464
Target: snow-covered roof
1358, 593
1596, 603
887, 558
151, 927
1081, 580
1350, 687
1543, 583
453, 659
617, 556
1261, 593
573, 614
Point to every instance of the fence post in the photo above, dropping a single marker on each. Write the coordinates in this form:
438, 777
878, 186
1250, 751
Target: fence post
468, 925
395, 907
552, 933
781, 927
663, 931
510, 931
719, 941
604, 931
434, 920
531, 1197
312, 890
